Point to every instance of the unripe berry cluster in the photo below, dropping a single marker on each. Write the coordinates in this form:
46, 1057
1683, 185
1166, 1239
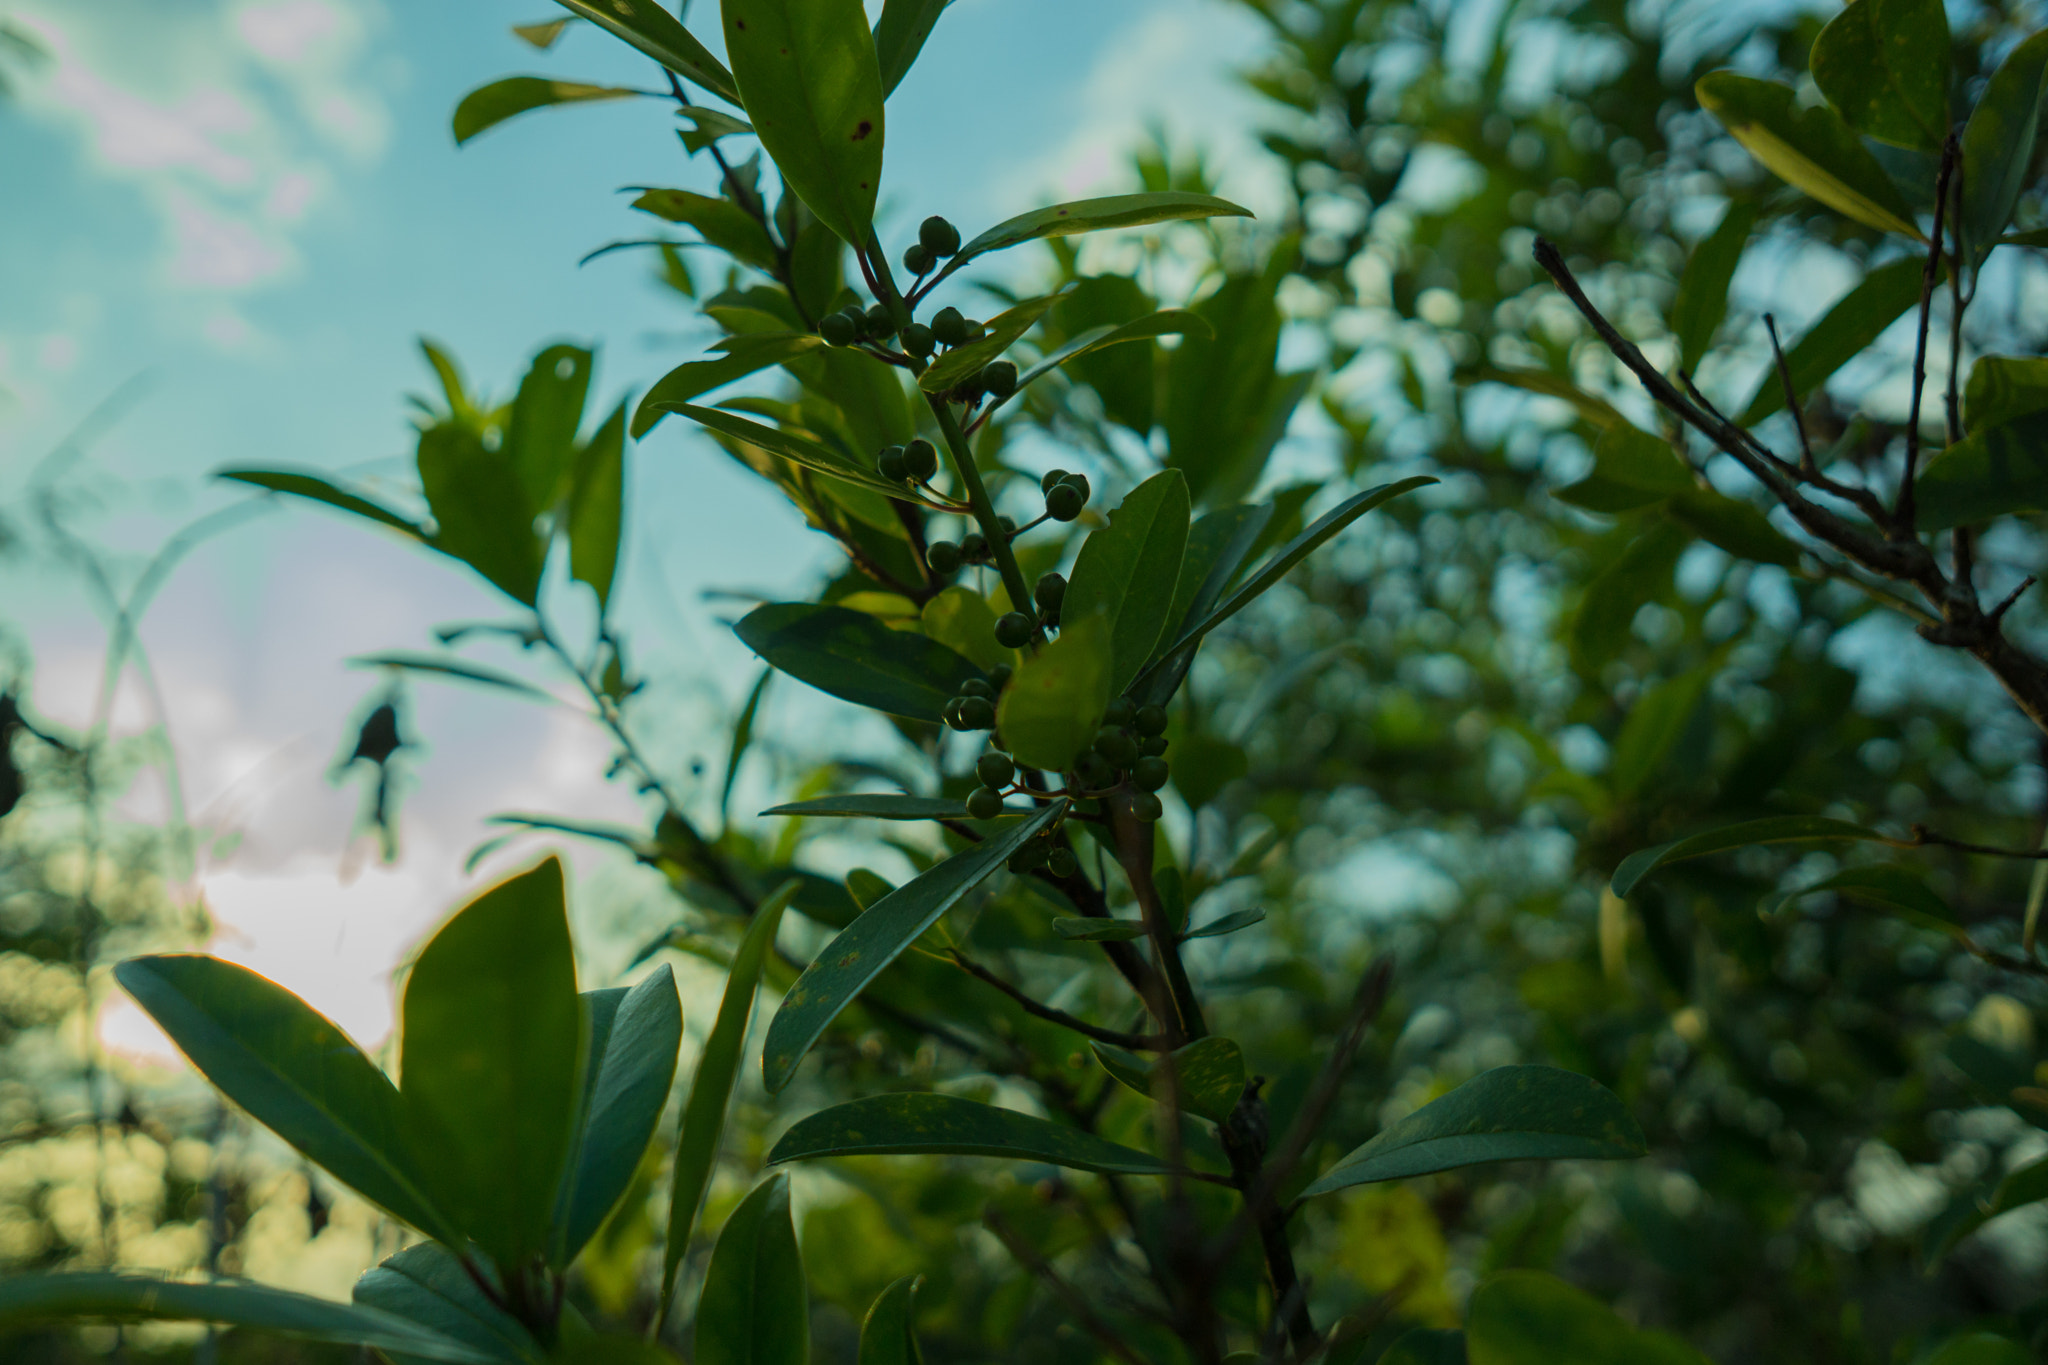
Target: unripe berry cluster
1065, 494
975, 707
1130, 746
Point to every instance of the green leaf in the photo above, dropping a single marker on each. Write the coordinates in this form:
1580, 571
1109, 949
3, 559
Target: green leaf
1979, 1348
1511, 1113
1740, 528
1597, 411
1292, 553
451, 668
1999, 143
742, 737
1613, 596
708, 126
482, 515
720, 222
1127, 380
1777, 829
1885, 65
961, 619
1218, 390
293, 1070
28, 1297
427, 1285
1524, 1317
703, 1127
1127, 571
786, 445
1052, 709
1166, 322
753, 1310
300, 484
597, 508
1095, 215
1887, 884
915, 1123
1631, 469
888, 1334
628, 1068
543, 35
492, 1031
963, 363
1702, 301
852, 656
2003, 388
1081, 928
1851, 327
1426, 1346
1228, 924
875, 807
745, 355
1209, 1072
659, 34
1995, 472
492, 104
809, 79
1655, 723
845, 966
1218, 545
540, 440
1813, 150
900, 35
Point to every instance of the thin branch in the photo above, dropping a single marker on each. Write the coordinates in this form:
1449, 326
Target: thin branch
1077, 1303
1792, 404
1924, 837
1905, 510
1135, 1042
1998, 612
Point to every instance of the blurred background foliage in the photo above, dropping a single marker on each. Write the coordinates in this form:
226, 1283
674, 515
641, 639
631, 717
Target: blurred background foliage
1437, 740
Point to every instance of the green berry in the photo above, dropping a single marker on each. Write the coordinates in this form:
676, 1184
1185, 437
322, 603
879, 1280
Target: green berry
880, 323
938, 236
977, 713
918, 339
995, 769
949, 326
837, 329
1116, 746
921, 459
856, 315
974, 547
1152, 746
1026, 858
1079, 483
918, 259
1064, 503
1060, 862
999, 676
1121, 711
950, 713
1013, 630
999, 377
984, 803
1146, 807
1009, 525
1094, 770
1151, 720
944, 557
1150, 774
1052, 479
975, 687
1049, 591
889, 464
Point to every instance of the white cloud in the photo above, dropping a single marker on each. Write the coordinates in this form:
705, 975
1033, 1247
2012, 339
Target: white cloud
212, 250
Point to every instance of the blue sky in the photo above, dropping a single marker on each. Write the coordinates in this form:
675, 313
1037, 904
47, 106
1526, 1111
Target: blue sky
252, 208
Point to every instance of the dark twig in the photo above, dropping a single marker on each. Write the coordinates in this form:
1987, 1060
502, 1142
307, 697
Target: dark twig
1924, 837
1077, 1303
1135, 1042
1905, 512
1999, 611
1792, 404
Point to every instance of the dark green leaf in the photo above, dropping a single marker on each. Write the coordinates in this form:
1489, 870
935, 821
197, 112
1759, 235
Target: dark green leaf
754, 1310
1885, 65
426, 1284
1597, 411
1208, 1072
312, 486
845, 966
1631, 469
1778, 829
1897, 888
744, 356
1052, 709
1218, 389
962, 363
960, 619
708, 126
1999, 143
1655, 723
796, 449
1218, 546
1613, 596
659, 34
1993, 473
1740, 528
1088, 930
1979, 1348
703, 1127
876, 807
482, 515
597, 508
1811, 149
885, 1125
292, 1070
627, 1072
492, 1030
856, 658
1125, 379
1127, 571
1511, 1113
1228, 924
2003, 388
27, 1297
742, 737
1095, 215
888, 1334
808, 77
1851, 327
540, 440
722, 223
451, 668
1166, 322
544, 35
492, 104
1524, 1317
1426, 1346
899, 36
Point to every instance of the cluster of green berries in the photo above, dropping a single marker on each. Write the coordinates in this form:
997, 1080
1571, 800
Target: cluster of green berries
1065, 494
919, 460
947, 556
936, 240
1132, 744
975, 707
1049, 851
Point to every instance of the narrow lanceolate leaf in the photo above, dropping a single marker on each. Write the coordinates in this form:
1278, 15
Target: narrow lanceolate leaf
293, 1070
754, 1310
129, 1295
1084, 929
900, 35
314, 488
1208, 1073
786, 445
459, 669
1899, 889
1166, 322
845, 966
962, 363
742, 738
1992, 473
659, 34
597, 508
1813, 150
1427, 1346
1228, 924
711, 1088
877, 806
708, 126
1512, 1113
1702, 300
1777, 829
1292, 553
888, 1334
2003, 388
1052, 709
747, 355
1999, 142
1095, 215
720, 222
1127, 571
1885, 65
946, 1125
1524, 1317
808, 76
427, 1285
490, 105
630, 1064
1218, 545
1848, 329
856, 658
492, 1032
